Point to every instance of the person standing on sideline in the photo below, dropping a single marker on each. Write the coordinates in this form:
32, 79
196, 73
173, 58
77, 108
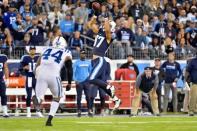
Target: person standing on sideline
186, 87
160, 72
147, 82
27, 66
172, 72
81, 70
191, 73
4, 71
130, 64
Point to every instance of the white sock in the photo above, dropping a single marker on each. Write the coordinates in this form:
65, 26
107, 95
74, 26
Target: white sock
54, 107
108, 87
62, 99
39, 100
5, 109
28, 109
115, 98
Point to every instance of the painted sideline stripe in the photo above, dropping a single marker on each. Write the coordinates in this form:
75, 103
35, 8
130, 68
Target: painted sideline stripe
134, 122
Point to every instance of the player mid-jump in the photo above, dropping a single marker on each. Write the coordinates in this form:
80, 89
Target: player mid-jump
99, 63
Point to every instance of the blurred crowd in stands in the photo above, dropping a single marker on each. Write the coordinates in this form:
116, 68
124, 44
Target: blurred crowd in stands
145, 26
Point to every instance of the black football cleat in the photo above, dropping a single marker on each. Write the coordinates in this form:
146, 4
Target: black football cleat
132, 115
191, 114
79, 114
158, 114
48, 124
90, 114
6, 116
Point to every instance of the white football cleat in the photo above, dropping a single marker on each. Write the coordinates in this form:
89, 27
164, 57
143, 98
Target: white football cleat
29, 114
6, 115
117, 103
103, 112
112, 88
39, 114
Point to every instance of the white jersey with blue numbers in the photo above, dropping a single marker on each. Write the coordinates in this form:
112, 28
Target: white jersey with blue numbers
53, 59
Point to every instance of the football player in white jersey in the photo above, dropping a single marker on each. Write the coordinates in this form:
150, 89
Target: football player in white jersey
48, 73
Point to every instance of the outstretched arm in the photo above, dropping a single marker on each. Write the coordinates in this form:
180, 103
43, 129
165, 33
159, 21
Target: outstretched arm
92, 22
107, 30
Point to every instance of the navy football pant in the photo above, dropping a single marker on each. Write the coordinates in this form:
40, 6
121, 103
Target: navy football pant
99, 74
3, 93
29, 91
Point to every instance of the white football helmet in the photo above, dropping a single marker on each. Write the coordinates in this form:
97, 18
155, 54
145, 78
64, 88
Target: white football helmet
59, 42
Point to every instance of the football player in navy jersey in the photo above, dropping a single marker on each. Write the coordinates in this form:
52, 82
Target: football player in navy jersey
4, 71
27, 66
99, 63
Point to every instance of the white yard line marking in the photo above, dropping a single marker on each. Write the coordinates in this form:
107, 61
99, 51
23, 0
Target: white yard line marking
119, 126
173, 122
134, 122
90, 122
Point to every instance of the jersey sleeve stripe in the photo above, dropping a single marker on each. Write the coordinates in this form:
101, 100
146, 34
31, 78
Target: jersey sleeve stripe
96, 70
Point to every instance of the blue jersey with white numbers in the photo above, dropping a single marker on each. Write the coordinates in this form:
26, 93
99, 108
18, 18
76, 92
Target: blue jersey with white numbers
3, 60
101, 45
9, 18
31, 62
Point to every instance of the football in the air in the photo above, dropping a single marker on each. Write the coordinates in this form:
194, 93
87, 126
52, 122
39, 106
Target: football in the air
96, 6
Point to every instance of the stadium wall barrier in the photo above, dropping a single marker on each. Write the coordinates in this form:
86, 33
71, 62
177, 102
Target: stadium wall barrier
16, 82
115, 64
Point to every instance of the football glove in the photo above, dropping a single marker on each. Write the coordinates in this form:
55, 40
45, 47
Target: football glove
68, 87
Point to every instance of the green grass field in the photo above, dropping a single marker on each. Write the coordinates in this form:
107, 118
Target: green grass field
101, 124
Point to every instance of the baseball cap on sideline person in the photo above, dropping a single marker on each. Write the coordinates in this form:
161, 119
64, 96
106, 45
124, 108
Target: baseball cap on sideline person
147, 68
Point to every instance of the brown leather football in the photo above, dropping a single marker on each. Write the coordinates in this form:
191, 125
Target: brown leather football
96, 6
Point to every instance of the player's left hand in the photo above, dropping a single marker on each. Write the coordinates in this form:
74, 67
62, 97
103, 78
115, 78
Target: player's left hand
26, 67
68, 87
